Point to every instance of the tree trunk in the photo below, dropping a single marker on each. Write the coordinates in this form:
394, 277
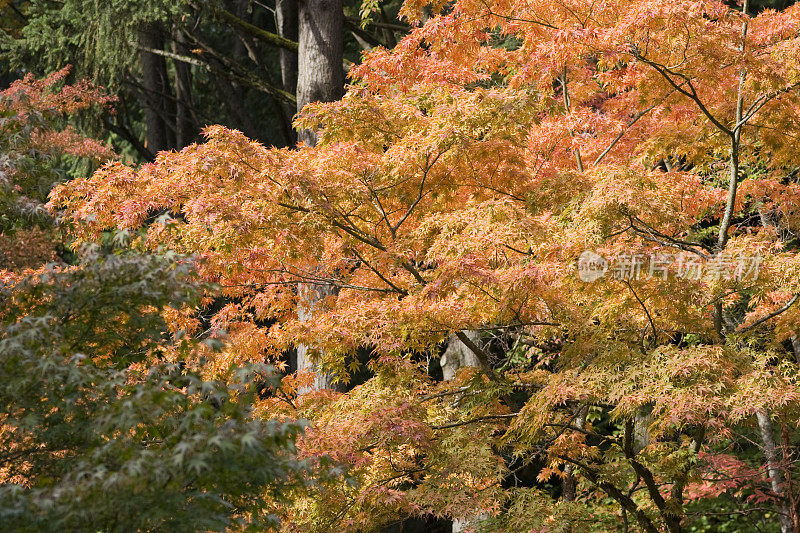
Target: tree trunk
155, 89
468, 525
641, 431
240, 116
319, 79
286, 21
456, 356
774, 469
310, 295
320, 76
570, 483
185, 119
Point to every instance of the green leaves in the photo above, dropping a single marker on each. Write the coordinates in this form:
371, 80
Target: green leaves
88, 442
100, 36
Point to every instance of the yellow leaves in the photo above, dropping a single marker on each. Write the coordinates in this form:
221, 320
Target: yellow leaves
437, 199
479, 228
447, 194
183, 319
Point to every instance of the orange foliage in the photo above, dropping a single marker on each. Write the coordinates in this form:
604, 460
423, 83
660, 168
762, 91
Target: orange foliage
456, 185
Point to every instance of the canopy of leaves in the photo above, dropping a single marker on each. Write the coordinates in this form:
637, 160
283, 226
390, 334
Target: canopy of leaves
90, 441
106, 422
454, 188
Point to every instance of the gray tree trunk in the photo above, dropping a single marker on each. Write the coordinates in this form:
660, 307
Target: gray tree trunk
307, 358
455, 357
774, 468
320, 76
469, 525
641, 429
319, 79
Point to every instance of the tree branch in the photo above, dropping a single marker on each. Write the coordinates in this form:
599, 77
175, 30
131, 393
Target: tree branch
262, 35
475, 421
770, 316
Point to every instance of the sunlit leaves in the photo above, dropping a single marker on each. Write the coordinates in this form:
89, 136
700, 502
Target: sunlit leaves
454, 188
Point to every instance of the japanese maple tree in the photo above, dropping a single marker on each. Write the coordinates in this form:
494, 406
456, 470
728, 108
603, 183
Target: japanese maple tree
455, 187
40, 149
103, 425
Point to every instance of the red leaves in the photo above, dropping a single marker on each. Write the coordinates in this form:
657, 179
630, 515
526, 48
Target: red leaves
49, 95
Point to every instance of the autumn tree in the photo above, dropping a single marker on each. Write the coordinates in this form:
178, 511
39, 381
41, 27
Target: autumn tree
97, 435
107, 422
455, 187
41, 148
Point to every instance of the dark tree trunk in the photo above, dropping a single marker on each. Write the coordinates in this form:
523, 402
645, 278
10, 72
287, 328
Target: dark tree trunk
155, 90
320, 76
286, 20
185, 119
237, 111
241, 117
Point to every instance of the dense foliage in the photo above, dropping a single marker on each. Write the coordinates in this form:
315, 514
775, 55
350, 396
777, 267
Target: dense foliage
103, 424
597, 203
104, 431
40, 148
454, 189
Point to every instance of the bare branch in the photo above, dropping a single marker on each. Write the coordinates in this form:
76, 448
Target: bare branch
475, 420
